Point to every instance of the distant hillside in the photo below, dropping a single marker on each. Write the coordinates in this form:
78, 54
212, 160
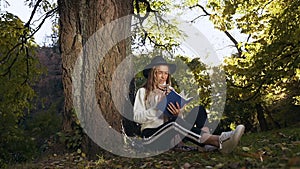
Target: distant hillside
49, 88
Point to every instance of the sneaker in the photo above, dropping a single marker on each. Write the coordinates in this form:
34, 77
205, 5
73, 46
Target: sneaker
229, 140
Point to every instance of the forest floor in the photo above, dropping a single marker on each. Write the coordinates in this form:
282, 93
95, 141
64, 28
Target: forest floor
272, 149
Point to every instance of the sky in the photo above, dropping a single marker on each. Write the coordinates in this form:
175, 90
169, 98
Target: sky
19, 8
219, 41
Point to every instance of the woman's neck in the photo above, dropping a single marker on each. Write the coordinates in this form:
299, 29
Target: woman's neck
163, 87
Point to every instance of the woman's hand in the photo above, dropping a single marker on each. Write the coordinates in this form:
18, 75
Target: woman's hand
175, 110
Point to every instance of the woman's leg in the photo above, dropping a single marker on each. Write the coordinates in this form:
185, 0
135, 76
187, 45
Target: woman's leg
210, 139
227, 141
173, 127
197, 116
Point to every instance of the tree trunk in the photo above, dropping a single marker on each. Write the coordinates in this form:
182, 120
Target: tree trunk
274, 122
261, 118
79, 21
131, 128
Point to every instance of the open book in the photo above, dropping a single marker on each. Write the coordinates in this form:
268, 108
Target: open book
172, 97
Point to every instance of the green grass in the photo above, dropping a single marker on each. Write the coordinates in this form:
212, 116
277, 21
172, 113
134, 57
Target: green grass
272, 149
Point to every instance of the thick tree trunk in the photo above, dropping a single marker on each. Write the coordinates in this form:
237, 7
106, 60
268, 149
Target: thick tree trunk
261, 118
79, 20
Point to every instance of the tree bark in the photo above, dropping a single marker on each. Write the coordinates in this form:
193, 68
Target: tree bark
79, 20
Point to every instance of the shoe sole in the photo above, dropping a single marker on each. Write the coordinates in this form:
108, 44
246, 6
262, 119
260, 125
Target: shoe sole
239, 131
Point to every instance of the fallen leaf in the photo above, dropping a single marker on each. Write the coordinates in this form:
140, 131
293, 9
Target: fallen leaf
282, 135
295, 161
187, 165
296, 142
245, 148
220, 165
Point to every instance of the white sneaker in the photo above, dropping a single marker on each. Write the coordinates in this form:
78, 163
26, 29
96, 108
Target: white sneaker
229, 140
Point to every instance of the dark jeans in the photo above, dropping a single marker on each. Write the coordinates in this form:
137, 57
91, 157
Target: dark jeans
189, 127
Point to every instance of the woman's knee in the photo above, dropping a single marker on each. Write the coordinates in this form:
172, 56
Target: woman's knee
200, 110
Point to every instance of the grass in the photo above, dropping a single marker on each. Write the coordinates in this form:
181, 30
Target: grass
272, 149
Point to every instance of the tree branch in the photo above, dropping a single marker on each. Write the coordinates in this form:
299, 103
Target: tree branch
141, 20
33, 13
256, 92
8, 54
233, 40
47, 15
203, 9
24, 39
148, 9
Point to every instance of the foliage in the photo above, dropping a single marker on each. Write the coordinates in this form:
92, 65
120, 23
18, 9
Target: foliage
44, 5
18, 72
266, 72
41, 126
155, 27
72, 139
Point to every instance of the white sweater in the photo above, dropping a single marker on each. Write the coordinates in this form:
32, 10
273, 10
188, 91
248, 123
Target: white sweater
147, 116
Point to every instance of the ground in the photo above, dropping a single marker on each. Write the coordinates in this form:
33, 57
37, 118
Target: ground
278, 148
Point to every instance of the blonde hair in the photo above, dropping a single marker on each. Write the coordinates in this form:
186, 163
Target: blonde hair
151, 82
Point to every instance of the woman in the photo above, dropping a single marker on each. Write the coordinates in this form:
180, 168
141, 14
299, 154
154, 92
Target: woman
154, 124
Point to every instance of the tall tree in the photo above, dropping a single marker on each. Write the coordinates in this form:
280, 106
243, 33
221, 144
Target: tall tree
269, 61
79, 20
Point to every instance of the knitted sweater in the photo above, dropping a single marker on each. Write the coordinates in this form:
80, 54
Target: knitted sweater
146, 113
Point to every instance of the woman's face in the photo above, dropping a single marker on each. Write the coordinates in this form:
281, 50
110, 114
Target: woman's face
161, 74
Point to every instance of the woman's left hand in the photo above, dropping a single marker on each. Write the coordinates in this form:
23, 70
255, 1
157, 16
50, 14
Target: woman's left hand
175, 110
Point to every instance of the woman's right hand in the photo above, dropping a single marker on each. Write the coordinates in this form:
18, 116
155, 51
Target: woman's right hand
174, 109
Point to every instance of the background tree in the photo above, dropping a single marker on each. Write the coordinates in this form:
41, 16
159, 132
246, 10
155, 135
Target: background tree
263, 74
19, 71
